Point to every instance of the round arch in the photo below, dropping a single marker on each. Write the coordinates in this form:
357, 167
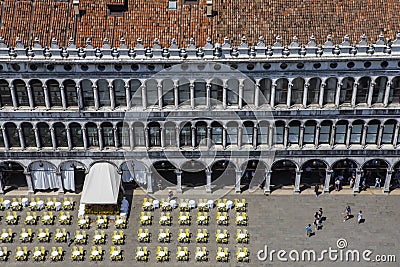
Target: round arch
223, 173
194, 173
372, 169
13, 176
283, 173
134, 173
73, 175
313, 173
44, 175
164, 174
253, 174
344, 170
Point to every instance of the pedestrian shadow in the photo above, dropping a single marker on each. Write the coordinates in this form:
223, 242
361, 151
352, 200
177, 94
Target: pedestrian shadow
323, 219
362, 221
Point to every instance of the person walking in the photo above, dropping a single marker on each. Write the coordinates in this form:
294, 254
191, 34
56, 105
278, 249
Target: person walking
377, 182
337, 184
347, 212
359, 217
352, 180
308, 230
316, 189
170, 194
70, 240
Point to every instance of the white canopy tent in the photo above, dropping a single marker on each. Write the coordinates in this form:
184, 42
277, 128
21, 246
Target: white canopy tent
102, 185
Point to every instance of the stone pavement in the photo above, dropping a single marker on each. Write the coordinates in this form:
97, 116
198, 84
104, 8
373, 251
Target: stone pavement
277, 221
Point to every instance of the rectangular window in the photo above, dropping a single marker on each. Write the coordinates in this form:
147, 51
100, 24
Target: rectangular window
356, 132
92, 136
170, 138
5, 96
279, 135
294, 134
309, 133
372, 134
340, 134
263, 135
123, 136
324, 134
216, 133
1, 139
108, 136
232, 133
387, 136
247, 136
55, 96
139, 136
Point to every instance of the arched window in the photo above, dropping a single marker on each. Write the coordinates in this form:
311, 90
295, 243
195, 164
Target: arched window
341, 132
325, 132
362, 90
216, 133
123, 134
155, 134
216, 92
170, 134
294, 132
248, 92
76, 135
61, 134
138, 131
108, 134
1, 138
265, 91
168, 97
297, 91
183, 92
71, 93
356, 132
5, 94
247, 133
231, 133
262, 133
232, 92
309, 132
92, 134
394, 94
200, 93
281, 92
119, 93
379, 90
186, 135
152, 92
201, 133
388, 132
372, 132
346, 91
313, 91
44, 134
22, 93
279, 133
28, 134
136, 93
12, 134
38, 93
54, 93
87, 93
330, 91
104, 93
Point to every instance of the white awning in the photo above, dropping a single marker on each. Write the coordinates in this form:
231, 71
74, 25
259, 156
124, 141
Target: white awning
102, 185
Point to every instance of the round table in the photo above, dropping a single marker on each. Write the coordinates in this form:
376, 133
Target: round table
181, 253
100, 221
42, 235
54, 253
119, 221
229, 204
63, 217
67, 203
163, 235
6, 203
24, 201
10, 217
221, 205
163, 218
147, 204
140, 253
24, 235
183, 205
59, 235
241, 236
37, 253
58, 205
240, 205
221, 236
173, 203
241, 254
76, 253
221, 254
4, 235
145, 218
32, 204
117, 237
156, 203
97, 237
46, 217
200, 235
221, 218
165, 204
82, 221
201, 218
199, 254
95, 253
40, 204
29, 218
115, 253
183, 218
210, 203
201, 205
15, 204
79, 237
182, 235
50, 204
161, 253
1, 253
192, 203
240, 218
20, 253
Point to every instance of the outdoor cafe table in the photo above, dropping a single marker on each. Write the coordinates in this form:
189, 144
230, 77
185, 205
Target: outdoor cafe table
199, 254
163, 235
20, 253
241, 255
37, 253
6, 203
25, 201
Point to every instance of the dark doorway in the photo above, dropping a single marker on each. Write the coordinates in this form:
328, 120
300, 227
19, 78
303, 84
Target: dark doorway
13, 176
314, 172
283, 174
194, 174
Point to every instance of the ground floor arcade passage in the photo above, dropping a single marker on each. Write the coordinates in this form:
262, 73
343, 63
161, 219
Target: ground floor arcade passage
250, 175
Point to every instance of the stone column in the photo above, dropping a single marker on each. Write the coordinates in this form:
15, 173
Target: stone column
96, 97
192, 96
112, 96
30, 97
301, 136
162, 137
176, 95
267, 185
128, 95
321, 95
160, 95
305, 94
332, 137
356, 187
255, 133
63, 97
273, 89
100, 134
146, 137
80, 96
14, 97
69, 138
316, 137
53, 138
144, 96
271, 136
328, 176
29, 182
21, 138
224, 137
208, 185
85, 138
337, 96
364, 135
241, 88
208, 96
46, 97
286, 136
297, 182
224, 95
257, 94
386, 186
116, 137
60, 183
370, 92
348, 135
209, 140
177, 136
5, 138
193, 129
37, 137
396, 134
178, 181
131, 138
380, 133
240, 133
149, 182
237, 182
354, 94
289, 94
387, 94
